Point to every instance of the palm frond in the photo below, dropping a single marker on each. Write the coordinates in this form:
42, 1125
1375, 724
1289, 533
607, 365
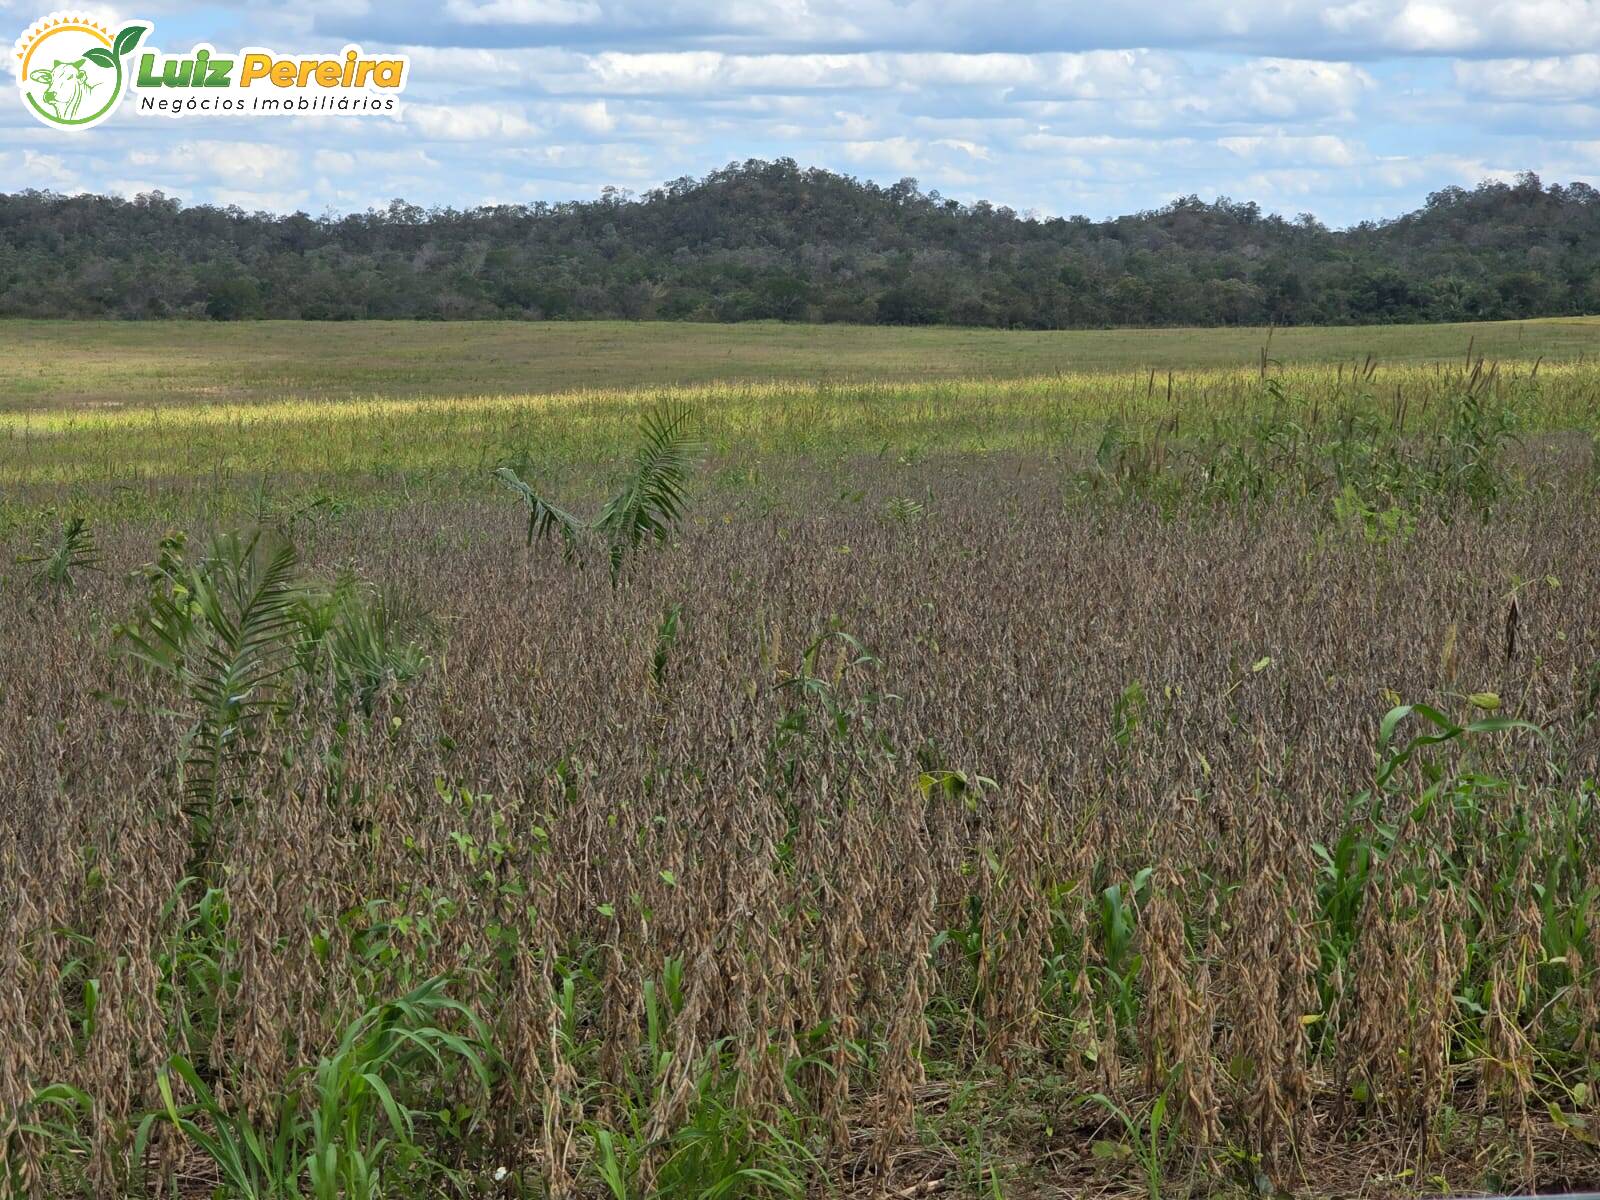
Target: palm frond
225, 630
249, 595
652, 498
72, 549
378, 641
544, 518
647, 506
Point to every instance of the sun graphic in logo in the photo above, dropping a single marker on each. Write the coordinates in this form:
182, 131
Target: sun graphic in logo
72, 71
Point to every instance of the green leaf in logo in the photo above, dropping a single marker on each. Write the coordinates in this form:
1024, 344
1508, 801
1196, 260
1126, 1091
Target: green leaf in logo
100, 57
128, 39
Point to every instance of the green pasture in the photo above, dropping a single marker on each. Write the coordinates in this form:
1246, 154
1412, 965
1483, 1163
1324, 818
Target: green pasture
108, 418
48, 364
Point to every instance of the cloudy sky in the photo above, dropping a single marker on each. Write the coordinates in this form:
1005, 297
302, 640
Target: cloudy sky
1347, 109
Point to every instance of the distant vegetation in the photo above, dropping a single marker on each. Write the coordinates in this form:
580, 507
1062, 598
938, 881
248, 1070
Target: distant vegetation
770, 241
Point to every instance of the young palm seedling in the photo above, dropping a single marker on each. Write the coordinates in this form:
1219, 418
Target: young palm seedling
647, 506
224, 630
72, 549
247, 638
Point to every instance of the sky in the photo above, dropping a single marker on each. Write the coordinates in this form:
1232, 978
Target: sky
1349, 110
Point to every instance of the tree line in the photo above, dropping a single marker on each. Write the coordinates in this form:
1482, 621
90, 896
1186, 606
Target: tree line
772, 241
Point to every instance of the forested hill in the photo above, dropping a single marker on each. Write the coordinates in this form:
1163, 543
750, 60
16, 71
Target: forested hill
764, 240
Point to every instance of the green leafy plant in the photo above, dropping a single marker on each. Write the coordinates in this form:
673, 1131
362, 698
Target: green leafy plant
1117, 925
718, 1152
353, 1124
224, 629
359, 1119
72, 549
1379, 526
647, 506
1589, 705
1444, 730
818, 708
903, 510
1150, 1138
1373, 828
723, 1151
1131, 463
666, 638
1127, 713
1468, 457
57, 1115
238, 628
255, 1163
371, 640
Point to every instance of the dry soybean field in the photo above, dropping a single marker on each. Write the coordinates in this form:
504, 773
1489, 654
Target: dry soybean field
715, 768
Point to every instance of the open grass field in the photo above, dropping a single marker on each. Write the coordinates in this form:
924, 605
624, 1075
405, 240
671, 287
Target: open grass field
50, 363
768, 762
161, 410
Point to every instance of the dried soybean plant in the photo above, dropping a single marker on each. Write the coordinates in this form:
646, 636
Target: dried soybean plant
859, 880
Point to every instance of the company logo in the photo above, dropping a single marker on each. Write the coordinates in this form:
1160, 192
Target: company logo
74, 72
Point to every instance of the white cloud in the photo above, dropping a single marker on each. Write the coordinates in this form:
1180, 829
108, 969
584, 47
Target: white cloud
1105, 74
1569, 77
1286, 89
688, 73
248, 162
701, 71
441, 67
37, 170
375, 163
468, 122
1419, 25
129, 188
263, 201
1101, 147
1354, 29
524, 12
970, 149
1281, 183
1281, 28
896, 153
234, 163
591, 117
1319, 149
1456, 26
855, 126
